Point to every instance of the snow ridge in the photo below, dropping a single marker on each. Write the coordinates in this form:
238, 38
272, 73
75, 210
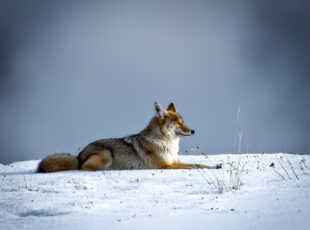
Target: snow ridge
273, 192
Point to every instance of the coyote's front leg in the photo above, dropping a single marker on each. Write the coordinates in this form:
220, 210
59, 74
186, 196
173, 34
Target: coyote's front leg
180, 165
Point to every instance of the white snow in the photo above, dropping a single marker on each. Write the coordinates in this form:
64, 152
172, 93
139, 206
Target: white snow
246, 194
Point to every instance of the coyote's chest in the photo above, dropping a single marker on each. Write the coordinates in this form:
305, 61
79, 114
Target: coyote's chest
169, 151
155, 150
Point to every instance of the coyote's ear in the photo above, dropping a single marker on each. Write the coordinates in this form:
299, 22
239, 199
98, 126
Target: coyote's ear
159, 110
172, 107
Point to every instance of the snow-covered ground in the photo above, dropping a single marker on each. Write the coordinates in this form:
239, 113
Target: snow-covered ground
248, 193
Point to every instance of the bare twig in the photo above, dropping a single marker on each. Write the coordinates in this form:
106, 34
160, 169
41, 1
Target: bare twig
234, 181
283, 177
302, 168
303, 160
292, 168
282, 166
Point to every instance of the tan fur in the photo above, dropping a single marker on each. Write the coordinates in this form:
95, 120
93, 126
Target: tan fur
58, 162
172, 107
155, 147
101, 160
190, 166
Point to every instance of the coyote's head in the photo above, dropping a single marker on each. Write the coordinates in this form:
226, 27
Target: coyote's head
169, 123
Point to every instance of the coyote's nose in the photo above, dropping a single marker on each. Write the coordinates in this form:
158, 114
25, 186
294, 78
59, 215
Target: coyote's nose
193, 131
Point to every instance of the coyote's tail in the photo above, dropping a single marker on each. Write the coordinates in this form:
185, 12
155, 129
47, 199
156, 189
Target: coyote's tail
58, 162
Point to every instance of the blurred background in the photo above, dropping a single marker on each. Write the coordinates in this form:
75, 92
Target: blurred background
72, 72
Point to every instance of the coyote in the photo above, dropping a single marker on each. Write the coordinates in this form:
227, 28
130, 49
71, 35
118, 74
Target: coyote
155, 147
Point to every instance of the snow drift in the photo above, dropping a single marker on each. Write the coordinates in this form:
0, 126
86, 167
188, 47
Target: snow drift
251, 191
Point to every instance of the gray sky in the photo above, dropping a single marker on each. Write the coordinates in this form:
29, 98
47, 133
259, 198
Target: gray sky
73, 72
